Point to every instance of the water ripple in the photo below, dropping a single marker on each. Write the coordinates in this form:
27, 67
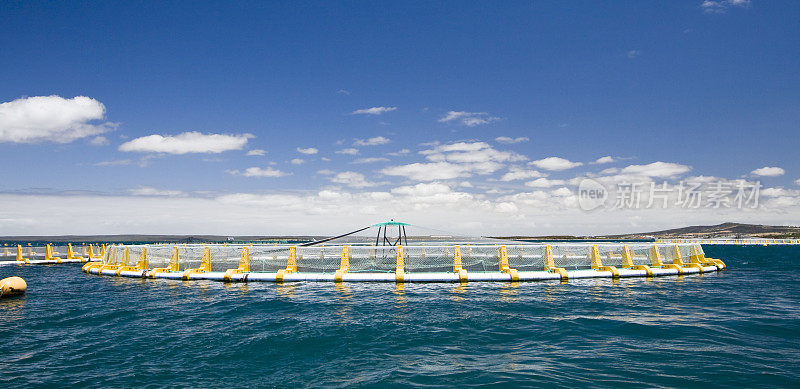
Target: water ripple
738, 327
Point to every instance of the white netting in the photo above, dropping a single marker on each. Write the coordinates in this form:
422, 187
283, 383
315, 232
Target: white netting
685, 251
158, 256
480, 258
418, 258
379, 259
611, 254
666, 253
33, 252
189, 256
8, 253
134, 254
110, 257
432, 258
700, 249
642, 254
318, 259
59, 251
572, 256
526, 257
262, 258
80, 250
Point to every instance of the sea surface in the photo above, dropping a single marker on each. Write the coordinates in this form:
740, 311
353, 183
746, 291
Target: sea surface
739, 327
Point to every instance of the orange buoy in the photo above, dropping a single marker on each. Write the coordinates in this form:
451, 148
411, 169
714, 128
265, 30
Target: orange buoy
12, 286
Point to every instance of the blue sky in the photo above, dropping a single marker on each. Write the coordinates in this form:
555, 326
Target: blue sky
678, 90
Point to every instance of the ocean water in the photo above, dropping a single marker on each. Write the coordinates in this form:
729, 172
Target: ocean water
740, 327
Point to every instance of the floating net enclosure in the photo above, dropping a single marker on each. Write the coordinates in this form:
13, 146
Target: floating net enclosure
49, 253
400, 252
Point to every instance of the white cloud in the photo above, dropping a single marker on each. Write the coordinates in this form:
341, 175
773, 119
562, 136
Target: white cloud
371, 160
453, 115
777, 192
428, 171
797, 181
721, 6
99, 141
516, 173
260, 172
561, 192
633, 53
51, 119
555, 163
469, 119
348, 151
120, 162
308, 151
400, 152
257, 152
470, 152
378, 140
611, 170
187, 142
353, 179
326, 172
780, 197
768, 171
458, 146
477, 121
343, 92
506, 207
298, 161
656, 169
425, 195
606, 159
455, 160
508, 140
373, 111
544, 183
422, 189
150, 191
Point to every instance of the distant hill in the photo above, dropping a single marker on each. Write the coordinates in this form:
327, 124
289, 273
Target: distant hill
724, 230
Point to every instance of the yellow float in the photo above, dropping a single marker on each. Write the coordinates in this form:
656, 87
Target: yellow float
12, 286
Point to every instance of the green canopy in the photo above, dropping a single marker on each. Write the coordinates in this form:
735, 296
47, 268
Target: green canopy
390, 223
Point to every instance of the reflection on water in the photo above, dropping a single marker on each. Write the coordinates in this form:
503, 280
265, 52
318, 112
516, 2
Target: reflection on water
509, 292
12, 308
459, 290
344, 294
286, 289
344, 290
400, 291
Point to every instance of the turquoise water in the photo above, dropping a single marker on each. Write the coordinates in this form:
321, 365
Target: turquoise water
735, 328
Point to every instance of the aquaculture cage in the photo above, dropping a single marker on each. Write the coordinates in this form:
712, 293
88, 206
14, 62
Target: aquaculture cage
399, 252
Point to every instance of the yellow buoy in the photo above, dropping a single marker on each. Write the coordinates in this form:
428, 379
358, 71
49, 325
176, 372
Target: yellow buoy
12, 286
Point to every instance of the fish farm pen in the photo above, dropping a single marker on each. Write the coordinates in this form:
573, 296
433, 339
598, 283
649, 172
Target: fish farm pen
388, 255
50, 253
398, 263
